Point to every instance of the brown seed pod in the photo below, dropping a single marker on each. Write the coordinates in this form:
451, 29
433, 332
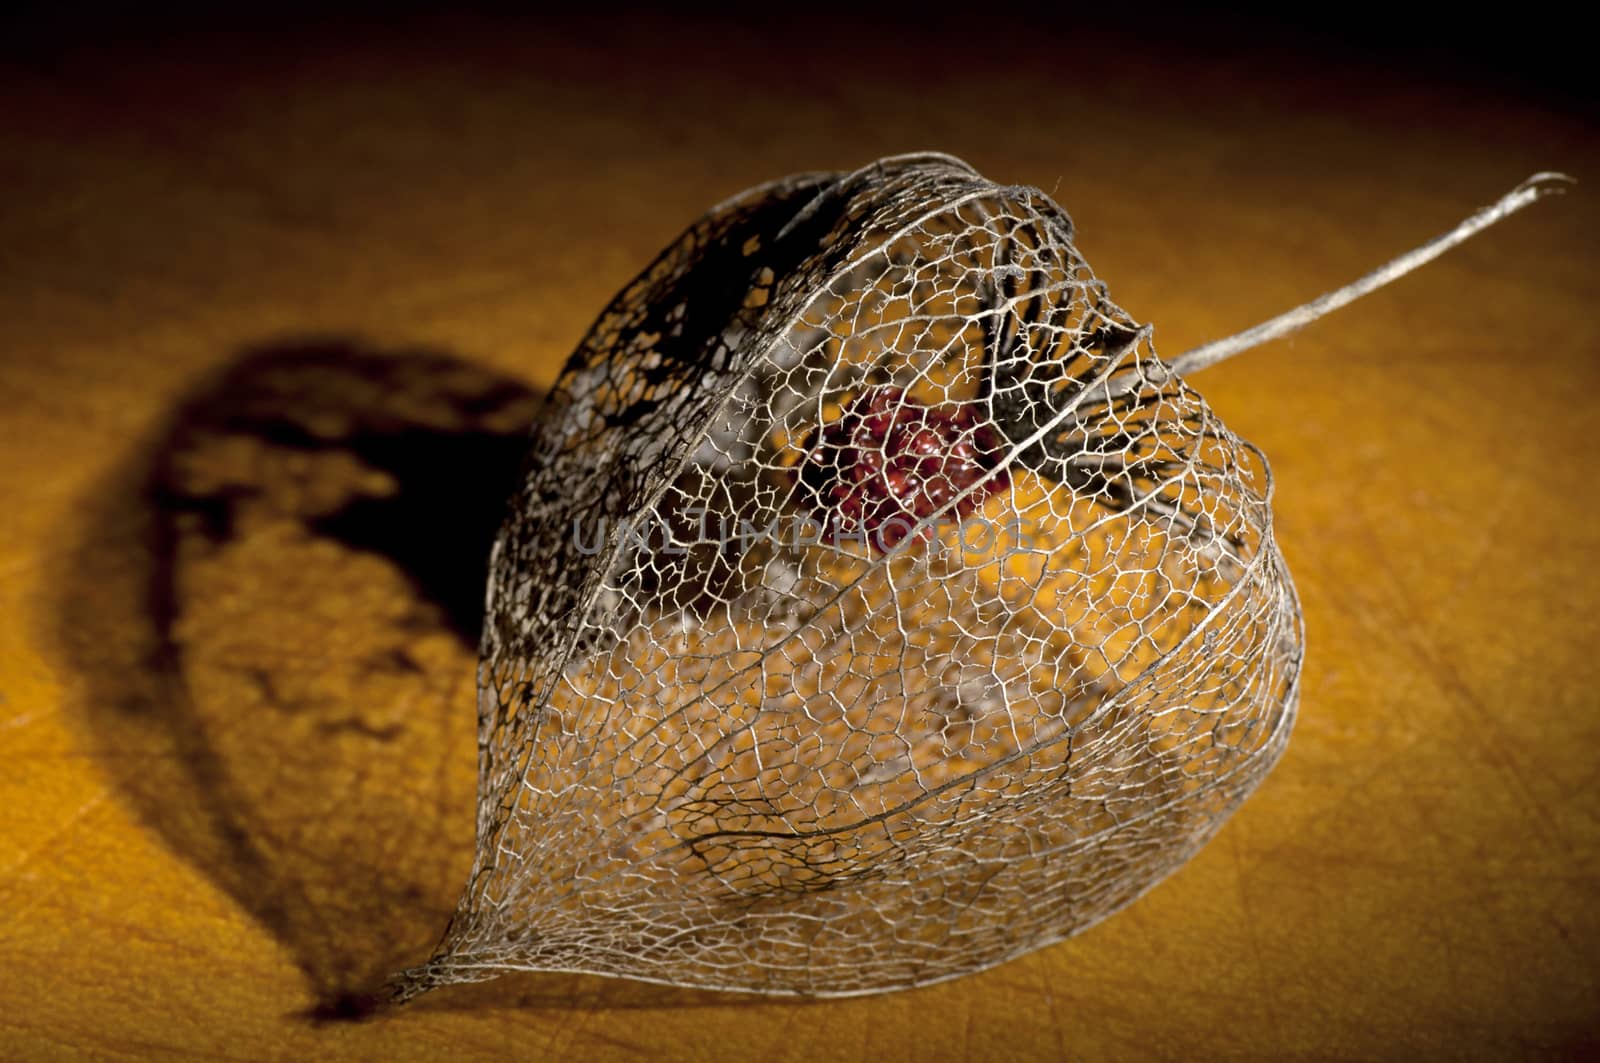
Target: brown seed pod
876, 605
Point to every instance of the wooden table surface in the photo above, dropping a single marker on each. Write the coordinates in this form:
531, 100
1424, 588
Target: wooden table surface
275, 312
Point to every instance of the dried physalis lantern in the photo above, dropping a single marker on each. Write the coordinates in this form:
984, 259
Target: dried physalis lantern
876, 606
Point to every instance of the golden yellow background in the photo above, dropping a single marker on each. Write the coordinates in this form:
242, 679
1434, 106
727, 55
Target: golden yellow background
272, 303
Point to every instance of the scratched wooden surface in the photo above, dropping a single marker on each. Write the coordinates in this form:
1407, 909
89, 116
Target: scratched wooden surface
276, 311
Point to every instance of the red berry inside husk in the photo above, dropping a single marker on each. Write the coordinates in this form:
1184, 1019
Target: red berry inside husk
890, 462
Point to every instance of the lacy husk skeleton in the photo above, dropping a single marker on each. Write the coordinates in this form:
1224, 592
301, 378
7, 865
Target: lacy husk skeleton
876, 605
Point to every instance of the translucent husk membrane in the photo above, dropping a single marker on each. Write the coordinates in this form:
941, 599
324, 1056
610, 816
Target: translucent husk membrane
876, 607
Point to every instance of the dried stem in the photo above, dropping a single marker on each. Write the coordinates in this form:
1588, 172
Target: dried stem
1533, 189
